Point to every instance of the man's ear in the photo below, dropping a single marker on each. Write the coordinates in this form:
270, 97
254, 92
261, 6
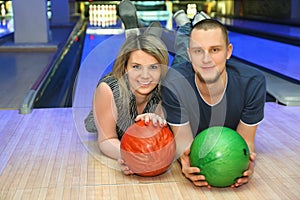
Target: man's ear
188, 53
229, 51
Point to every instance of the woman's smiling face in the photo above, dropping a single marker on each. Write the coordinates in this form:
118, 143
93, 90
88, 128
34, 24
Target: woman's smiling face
144, 72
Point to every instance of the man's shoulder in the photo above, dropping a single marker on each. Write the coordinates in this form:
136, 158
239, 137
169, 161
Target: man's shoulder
180, 71
244, 71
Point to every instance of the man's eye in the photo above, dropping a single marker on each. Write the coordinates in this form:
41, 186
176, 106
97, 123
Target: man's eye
198, 51
215, 50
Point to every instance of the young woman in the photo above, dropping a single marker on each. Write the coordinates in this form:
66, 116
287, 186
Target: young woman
131, 92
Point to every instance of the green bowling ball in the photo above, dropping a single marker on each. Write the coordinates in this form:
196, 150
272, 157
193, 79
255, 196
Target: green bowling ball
221, 154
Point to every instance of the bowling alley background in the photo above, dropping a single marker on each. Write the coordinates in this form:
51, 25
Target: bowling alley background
45, 151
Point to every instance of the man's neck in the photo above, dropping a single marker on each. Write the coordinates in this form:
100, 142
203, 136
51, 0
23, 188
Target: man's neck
212, 93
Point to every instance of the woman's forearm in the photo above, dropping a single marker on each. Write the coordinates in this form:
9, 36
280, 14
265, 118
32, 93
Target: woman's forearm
111, 148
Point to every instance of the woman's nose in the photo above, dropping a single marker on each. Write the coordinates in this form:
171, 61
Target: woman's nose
145, 72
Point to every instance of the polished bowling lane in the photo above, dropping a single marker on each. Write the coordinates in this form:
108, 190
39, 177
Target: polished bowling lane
275, 29
274, 56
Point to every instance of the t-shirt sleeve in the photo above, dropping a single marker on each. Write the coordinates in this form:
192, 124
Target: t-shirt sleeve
172, 102
253, 112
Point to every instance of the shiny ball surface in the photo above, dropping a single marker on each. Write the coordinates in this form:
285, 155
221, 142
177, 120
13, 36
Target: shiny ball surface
148, 150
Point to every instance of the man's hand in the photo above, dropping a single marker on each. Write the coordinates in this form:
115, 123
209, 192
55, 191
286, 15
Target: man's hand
192, 173
247, 174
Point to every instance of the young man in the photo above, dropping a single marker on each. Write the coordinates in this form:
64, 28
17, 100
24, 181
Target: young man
201, 91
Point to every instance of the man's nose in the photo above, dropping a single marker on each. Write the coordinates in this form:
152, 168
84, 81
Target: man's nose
206, 56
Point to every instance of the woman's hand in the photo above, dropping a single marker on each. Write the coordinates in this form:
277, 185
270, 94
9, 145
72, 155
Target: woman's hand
247, 174
156, 119
124, 168
192, 173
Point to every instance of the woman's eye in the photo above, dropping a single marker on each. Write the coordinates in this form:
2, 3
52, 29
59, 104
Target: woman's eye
153, 66
136, 67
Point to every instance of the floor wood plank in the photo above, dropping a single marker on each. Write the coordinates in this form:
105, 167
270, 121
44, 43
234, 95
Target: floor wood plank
49, 155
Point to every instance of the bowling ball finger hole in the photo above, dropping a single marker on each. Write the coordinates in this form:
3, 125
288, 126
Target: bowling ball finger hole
245, 152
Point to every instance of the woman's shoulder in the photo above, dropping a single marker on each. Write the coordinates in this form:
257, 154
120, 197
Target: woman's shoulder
109, 84
108, 79
103, 90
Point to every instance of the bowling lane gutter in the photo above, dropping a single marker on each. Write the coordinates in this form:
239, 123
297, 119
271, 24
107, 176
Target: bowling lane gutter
6, 37
31, 95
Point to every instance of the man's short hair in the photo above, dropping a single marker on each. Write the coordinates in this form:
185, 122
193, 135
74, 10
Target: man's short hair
208, 24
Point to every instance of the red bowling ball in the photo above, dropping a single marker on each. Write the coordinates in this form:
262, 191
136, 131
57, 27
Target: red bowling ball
148, 150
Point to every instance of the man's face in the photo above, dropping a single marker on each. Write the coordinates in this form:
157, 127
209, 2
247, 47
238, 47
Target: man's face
208, 53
